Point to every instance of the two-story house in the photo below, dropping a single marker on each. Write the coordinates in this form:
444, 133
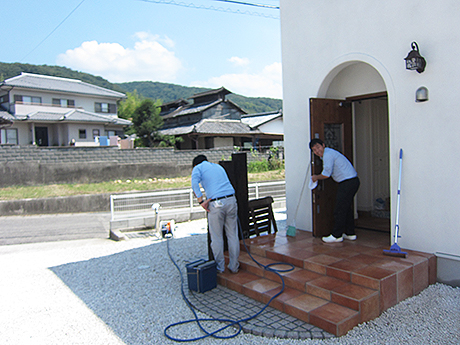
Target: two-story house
53, 111
213, 121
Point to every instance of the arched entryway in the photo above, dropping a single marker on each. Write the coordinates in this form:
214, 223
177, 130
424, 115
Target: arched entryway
357, 91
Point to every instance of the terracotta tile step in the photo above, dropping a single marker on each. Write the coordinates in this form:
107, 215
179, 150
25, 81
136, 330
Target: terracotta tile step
332, 287
304, 291
326, 314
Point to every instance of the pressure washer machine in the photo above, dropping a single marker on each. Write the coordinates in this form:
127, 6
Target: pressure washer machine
202, 275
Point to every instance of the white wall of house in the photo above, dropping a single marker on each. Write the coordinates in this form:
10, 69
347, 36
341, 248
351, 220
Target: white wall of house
75, 128
339, 49
81, 101
273, 127
20, 128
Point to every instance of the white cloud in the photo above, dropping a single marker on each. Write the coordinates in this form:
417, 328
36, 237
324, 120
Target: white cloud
240, 62
267, 83
150, 59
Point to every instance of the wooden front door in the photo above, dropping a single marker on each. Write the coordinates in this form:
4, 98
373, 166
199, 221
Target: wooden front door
330, 121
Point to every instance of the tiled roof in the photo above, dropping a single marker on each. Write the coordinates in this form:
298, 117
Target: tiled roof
75, 115
49, 83
190, 109
5, 118
214, 127
178, 130
211, 126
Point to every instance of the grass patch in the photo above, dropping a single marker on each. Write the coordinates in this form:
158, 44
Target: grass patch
118, 186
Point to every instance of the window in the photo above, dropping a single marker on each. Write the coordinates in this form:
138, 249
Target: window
9, 136
65, 103
96, 133
110, 108
111, 133
27, 99
82, 133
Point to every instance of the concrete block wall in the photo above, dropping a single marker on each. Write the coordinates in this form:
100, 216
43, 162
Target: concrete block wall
33, 165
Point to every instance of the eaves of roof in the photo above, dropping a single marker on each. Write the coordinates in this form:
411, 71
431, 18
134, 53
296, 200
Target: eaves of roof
211, 92
5, 118
76, 116
58, 84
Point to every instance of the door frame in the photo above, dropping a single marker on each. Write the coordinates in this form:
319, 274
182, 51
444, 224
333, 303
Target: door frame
323, 112
349, 151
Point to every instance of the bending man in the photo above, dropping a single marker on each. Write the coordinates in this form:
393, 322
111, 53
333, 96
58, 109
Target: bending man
221, 207
337, 166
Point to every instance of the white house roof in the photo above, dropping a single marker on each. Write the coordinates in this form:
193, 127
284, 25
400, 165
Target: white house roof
256, 120
74, 115
58, 84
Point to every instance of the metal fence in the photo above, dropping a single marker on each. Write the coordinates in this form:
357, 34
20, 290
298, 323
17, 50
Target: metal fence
125, 208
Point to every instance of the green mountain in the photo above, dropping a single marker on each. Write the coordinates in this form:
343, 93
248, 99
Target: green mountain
164, 91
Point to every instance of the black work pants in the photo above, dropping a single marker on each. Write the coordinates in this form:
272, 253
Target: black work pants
344, 220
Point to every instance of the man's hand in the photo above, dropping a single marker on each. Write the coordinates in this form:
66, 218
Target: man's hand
205, 204
315, 178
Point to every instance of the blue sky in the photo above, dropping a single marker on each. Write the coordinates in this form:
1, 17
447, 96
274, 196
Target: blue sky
139, 40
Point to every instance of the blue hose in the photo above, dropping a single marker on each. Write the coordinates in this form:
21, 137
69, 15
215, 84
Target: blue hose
229, 322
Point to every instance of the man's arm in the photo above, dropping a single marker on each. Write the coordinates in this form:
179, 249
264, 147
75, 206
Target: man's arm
196, 179
315, 178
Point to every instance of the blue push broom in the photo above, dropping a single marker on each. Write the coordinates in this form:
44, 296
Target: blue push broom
395, 250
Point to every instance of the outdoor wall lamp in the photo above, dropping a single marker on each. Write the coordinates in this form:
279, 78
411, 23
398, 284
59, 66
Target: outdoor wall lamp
414, 61
421, 95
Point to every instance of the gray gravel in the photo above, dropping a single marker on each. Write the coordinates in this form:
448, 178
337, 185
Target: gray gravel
103, 292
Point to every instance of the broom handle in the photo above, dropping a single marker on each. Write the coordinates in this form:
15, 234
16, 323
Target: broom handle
399, 196
301, 193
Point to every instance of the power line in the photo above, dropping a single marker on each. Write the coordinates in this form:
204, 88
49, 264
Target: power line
250, 4
53, 30
212, 8
182, 4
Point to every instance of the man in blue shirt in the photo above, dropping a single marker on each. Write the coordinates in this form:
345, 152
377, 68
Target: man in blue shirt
337, 166
222, 209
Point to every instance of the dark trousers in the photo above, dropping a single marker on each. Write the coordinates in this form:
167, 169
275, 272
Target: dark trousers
344, 222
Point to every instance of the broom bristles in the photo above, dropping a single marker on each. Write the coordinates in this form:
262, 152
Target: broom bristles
290, 231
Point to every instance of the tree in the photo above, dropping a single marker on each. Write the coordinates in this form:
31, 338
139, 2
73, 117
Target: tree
147, 121
169, 140
127, 107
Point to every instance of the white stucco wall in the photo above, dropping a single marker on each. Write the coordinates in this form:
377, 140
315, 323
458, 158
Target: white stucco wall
322, 40
273, 127
81, 101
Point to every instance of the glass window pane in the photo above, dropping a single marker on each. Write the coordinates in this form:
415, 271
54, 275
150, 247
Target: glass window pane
12, 136
333, 136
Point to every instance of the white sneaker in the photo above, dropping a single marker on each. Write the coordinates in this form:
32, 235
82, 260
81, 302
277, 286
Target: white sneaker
349, 237
332, 239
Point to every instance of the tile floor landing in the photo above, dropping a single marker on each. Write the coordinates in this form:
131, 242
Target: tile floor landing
332, 286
